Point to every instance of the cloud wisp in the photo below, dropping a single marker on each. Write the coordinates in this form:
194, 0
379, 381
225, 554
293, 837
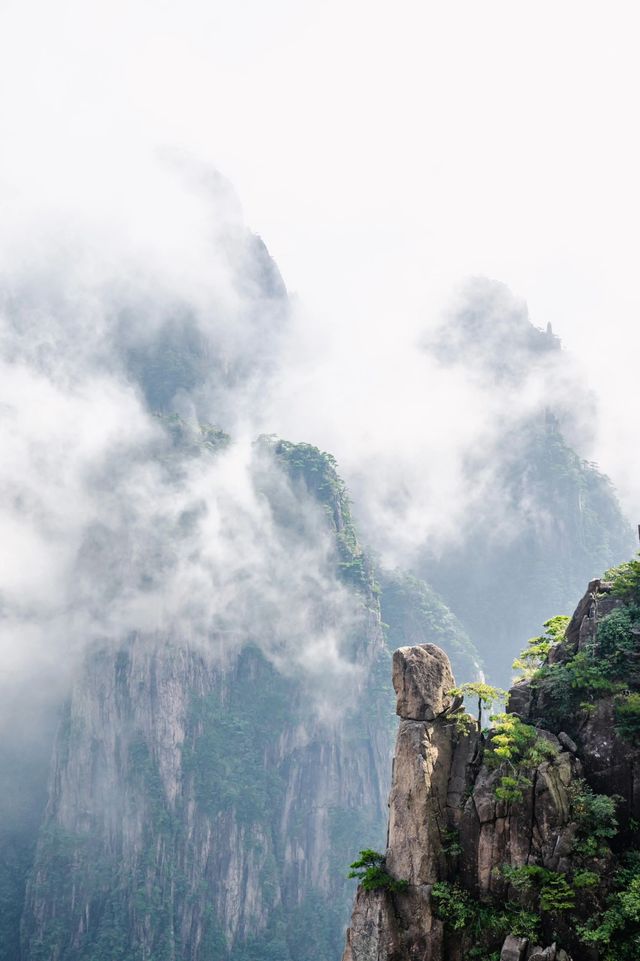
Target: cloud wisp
111, 524
113, 317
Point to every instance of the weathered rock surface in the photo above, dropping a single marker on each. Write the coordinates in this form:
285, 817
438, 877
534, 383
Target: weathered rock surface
519, 949
430, 773
421, 678
611, 764
513, 948
372, 936
185, 811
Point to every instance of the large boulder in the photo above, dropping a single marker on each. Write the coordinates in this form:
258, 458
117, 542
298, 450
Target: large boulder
421, 679
520, 698
542, 954
513, 948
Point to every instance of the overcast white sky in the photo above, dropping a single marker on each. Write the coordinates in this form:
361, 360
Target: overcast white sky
384, 151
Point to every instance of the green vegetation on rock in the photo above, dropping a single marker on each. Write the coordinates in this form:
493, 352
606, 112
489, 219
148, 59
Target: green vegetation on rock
627, 717
317, 472
552, 890
625, 581
607, 665
372, 875
485, 695
516, 748
226, 755
537, 650
595, 818
615, 930
482, 925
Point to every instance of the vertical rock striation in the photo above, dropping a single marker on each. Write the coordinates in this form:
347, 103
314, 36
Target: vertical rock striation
203, 806
192, 808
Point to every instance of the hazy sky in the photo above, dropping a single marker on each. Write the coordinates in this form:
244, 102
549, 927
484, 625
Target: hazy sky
384, 152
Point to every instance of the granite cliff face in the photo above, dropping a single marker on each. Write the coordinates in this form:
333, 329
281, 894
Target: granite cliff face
525, 835
189, 812
201, 800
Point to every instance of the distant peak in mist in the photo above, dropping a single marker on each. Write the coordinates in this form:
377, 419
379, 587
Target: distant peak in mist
490, 329
190, 311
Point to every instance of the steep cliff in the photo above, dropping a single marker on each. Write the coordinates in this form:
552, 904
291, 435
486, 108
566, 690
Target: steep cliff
201, 797
527, 834
24, 761
194, 812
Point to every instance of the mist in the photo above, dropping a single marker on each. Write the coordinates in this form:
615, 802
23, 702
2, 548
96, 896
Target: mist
119, 522
121, 232
116, 528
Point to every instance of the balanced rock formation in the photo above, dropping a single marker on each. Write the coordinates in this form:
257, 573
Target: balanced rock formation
421, 679
430, 771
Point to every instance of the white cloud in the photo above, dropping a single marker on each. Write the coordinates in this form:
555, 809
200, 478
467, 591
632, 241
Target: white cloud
384, 153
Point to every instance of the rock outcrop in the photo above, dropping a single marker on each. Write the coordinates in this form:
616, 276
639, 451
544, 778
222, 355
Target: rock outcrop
421, 679
431, 768
512, 858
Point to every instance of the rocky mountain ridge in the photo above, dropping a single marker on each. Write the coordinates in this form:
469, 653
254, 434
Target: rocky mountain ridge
504, 841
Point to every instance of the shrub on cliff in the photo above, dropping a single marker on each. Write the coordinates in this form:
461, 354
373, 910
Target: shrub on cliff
627, 714
370, 871
537, 650
625, 580
609, 665
595, 819
482, 925
553, 892
485, 695
615, 932
519, 748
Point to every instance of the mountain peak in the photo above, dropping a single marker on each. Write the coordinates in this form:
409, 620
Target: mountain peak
490, 329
